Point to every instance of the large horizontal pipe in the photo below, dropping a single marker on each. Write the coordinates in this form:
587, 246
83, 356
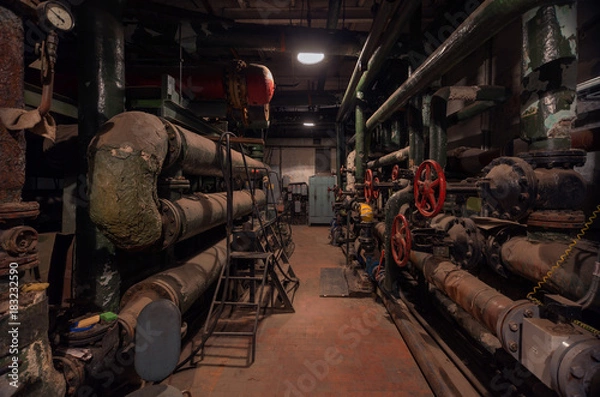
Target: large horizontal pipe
390, 159
200, 212
480, 300
533, 260
125, 160
485, 22
183, 285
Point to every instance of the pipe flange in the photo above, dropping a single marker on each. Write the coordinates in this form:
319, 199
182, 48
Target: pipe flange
171, 223
557, 219
566, 159
467, 243
510, 324
494, 247
175, 145
72, 369
509, 189
575, 366
235, 85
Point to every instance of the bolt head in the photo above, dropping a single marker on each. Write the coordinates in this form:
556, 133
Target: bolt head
513, 326
513, 347
577, 372
528, 313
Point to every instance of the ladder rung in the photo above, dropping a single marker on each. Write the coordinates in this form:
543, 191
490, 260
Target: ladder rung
237, 303
242, 278
250, 255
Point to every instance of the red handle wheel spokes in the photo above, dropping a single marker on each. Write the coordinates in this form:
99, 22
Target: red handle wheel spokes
401, 240
395, 172
368, 185
430, 188
375, 188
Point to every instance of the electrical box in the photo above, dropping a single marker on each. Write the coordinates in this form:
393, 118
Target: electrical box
320, 199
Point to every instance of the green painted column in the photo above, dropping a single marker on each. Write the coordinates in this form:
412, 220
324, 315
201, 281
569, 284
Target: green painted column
361, 129
101, 96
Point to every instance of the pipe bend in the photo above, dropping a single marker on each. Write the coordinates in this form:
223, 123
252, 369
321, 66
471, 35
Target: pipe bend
125, 159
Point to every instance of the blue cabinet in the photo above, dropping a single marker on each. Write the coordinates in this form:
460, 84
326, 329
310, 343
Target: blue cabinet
320, 198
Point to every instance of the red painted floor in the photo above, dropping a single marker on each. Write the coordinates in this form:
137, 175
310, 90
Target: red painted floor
329, 347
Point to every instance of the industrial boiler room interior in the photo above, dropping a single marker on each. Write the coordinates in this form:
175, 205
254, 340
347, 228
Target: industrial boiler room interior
299, 197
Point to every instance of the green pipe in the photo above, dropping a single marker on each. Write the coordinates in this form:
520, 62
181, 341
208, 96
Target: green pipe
361, 154
386, 10
485, 22
339, 153
392, 207
416, 139
101, 96
392, 34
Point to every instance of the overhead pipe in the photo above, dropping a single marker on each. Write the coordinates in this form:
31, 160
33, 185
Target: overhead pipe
533, 260
333, 15
126, 158
439, 108
485, 22
182, 285
389, 159
386, 11
395, 28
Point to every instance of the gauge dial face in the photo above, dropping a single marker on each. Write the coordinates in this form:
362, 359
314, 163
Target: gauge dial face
57, 16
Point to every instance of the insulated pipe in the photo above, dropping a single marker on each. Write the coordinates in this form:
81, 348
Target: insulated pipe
480, 300
485, 22
183, 285
386, 10
392, 207
126, 158
200, 212
339, 153
533, 260
390, 159
439, 106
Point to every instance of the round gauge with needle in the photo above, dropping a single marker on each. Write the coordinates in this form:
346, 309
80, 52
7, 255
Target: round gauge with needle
55, 16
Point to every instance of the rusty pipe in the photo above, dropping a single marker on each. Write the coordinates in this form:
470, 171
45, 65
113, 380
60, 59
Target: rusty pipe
183, 285
125, 159
532, 260
480, 300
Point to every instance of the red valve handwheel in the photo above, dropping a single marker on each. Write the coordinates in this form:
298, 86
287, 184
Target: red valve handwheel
395, 172
401, 240
368, 185
430, 188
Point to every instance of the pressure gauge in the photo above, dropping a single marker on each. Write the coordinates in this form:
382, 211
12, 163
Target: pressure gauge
54, 15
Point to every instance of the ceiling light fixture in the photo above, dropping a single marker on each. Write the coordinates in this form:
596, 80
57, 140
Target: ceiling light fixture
308, 124
310, 58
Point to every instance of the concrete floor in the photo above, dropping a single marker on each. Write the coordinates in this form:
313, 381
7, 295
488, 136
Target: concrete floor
329, 347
